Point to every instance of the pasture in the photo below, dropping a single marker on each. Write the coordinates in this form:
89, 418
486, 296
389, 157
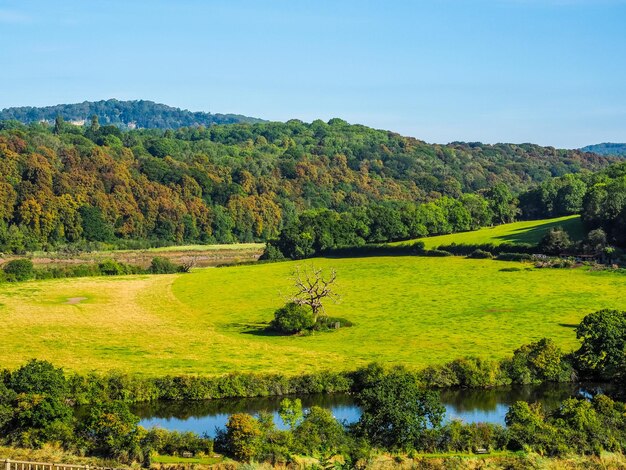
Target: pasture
406, 310
527, 231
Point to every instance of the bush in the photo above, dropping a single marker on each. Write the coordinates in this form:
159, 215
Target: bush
480, 254
292, 318
271, 253
18, 270
111, 267
514, 257
160, 265
555, 241
437, 253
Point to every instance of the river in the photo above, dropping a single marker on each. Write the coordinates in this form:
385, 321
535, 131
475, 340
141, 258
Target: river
471, 406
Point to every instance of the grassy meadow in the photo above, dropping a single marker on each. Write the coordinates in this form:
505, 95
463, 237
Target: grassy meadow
527, 231
409, 310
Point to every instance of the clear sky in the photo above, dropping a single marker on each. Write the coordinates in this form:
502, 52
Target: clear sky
551, 72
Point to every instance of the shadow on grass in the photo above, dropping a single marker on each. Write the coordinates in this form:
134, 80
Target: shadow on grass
568, 325
534, 234
256, 329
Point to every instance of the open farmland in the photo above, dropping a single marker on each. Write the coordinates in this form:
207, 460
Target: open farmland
527, 231
408, 310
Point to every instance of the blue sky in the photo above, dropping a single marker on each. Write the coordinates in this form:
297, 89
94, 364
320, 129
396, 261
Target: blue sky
551, 72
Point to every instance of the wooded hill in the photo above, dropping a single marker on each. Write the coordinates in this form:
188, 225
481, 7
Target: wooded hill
124, 114
607, 148
242, 182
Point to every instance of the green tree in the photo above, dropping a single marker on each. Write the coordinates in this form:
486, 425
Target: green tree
542, 361
396, 410
555, 241
291, 412
243, 438
319, 434
502, 203
39, 377
110, 430
602, 353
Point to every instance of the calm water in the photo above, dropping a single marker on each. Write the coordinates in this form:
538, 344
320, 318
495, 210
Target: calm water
471, 406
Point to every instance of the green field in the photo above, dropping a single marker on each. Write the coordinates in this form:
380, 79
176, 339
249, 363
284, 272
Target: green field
528, 231
409, 310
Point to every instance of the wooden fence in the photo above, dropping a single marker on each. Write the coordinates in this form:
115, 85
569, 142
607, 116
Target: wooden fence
21, 465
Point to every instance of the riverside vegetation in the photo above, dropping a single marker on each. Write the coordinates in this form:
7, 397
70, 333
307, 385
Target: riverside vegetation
355, 195
400, 409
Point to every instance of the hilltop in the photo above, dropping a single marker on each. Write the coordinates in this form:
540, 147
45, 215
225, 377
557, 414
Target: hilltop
607, 148
140, 114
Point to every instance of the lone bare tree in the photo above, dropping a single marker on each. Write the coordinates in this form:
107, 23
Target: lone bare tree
312, 287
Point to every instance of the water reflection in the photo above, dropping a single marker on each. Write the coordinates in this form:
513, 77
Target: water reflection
471, 406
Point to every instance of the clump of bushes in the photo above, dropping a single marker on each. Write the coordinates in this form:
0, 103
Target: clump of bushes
22, 269
160, 265
437, 253
18, 270
292, 318
558, 263
480, 254
514, 257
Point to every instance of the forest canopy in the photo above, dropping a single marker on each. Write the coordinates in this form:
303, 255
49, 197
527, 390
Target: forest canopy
67, 184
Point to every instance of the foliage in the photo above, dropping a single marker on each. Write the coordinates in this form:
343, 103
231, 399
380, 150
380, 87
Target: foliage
250, 181
291, 412
140, 113
396, 410
319, 434
606, 148
110, 430
480, 254
292, 318
542, 361
243, 436
161, 265
18, 270
602, 353
555, 242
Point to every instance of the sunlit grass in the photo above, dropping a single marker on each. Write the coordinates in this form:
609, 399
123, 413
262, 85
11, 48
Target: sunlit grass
406, 310
518, 232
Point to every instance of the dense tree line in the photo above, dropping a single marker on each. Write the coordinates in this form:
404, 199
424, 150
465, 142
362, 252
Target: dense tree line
607, 148
599, 197
243, 182
124, 114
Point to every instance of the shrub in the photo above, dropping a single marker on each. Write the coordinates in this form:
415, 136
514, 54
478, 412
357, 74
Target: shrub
111, 267
160, 265
437, 253
480, 254
272, 253
18, 270
555, 241
292, 318
514, 257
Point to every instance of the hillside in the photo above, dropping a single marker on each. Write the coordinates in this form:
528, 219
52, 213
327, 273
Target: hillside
247, 182
126, 114
517, 232
607, 148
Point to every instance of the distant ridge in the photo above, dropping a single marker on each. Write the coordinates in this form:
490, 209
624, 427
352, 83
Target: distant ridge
607, 148
124, 114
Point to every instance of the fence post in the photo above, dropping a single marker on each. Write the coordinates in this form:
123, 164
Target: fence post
7, 464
